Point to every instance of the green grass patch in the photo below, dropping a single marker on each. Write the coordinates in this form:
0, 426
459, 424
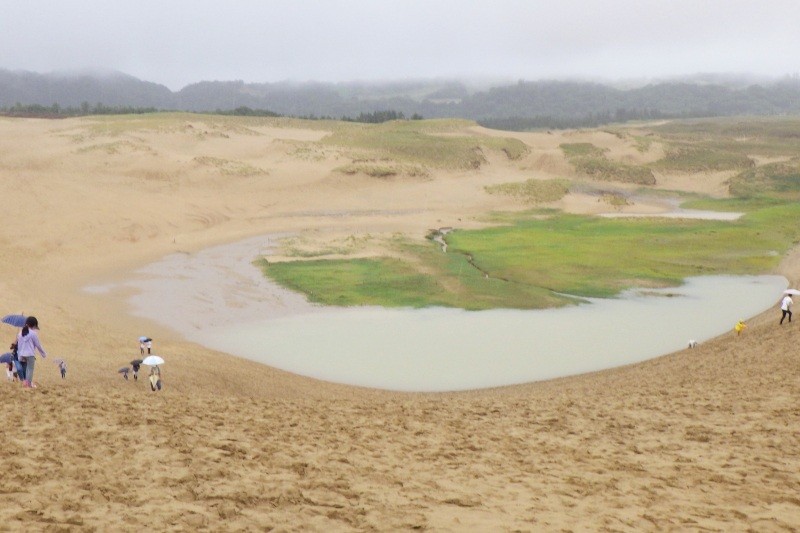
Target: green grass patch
535, 262
428, 143
584, 255
577, 150
590, 160
383, 169
768, 137
533, 191
688, 158
384, 281
228, 167
781, 180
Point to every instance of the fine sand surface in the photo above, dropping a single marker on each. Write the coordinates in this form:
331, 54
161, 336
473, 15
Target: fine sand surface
702, 439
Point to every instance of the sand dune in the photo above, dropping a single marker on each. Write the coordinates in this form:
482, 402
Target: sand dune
703, 439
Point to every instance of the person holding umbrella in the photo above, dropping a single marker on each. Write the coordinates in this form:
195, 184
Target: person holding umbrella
27, 345
136, 364
786, 306
145, 342
155, 372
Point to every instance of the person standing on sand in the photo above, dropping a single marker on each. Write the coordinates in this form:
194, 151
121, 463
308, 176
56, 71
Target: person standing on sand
27, 346
739, 327
136, 364
145, 342
155, 378
786, 308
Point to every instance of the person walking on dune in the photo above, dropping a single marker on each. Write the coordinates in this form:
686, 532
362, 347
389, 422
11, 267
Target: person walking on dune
786, 308
27, 345
739, 327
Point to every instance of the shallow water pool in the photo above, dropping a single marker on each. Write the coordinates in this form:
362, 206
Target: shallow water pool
217, 298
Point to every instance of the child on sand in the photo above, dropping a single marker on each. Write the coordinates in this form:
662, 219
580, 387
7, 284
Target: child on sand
739, 327
155, 378
27, 345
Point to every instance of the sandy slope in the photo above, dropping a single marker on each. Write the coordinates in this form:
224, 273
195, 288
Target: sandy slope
700, 439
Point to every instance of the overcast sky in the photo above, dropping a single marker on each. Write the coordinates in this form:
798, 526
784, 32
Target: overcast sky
185, 41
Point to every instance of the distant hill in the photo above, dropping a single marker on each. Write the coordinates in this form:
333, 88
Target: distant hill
72, 90
521, 105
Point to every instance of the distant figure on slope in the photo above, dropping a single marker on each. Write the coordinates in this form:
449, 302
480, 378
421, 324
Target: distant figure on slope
136, 364
786, 307
739, 327
145, 343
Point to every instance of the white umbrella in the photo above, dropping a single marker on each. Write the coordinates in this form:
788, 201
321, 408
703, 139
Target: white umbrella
152, 360
793, 292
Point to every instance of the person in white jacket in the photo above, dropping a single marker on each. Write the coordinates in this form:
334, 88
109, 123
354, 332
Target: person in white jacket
27, 345
786, 307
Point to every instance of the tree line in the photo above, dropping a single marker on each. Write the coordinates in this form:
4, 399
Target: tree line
521, 105
57, 111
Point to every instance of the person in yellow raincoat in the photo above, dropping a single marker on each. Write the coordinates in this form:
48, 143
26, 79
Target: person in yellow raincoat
739, 327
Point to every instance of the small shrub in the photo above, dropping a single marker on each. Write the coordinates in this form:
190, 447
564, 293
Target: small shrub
780, 180
533, 191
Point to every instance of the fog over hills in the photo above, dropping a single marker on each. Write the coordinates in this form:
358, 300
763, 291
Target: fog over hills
514, 104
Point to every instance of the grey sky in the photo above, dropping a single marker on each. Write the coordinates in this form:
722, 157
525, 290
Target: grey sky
184, 41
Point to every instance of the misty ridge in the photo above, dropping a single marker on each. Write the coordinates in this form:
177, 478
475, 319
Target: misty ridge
517, 105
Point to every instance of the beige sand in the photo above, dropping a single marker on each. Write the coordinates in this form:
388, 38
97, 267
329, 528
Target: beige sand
703, 439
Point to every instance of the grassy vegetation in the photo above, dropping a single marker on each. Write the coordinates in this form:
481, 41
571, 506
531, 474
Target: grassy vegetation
357, 282
591, 161
432, 279
534, 262
766, 137
692, 158
781, 180
228, 167
436, 143
581, 255
532, 259
383, 169
533, 191
114, 125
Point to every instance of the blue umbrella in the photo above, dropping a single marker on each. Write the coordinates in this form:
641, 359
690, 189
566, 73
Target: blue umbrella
7, 357
144, 339
14, 320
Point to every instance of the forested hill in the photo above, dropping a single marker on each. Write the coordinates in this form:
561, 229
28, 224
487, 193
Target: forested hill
521, 105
